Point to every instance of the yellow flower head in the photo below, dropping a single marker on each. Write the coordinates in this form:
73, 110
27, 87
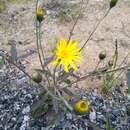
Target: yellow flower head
40, 13
81, 106
67, 54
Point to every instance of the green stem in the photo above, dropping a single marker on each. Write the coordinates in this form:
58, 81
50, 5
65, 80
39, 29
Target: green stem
65, 101
40, 45
116, 78
37, 36
97, 65
94, 30
116, 55
120, 66
124, 59
42, 50
97, 73
40, 58
115, 61
54, 75
76, 21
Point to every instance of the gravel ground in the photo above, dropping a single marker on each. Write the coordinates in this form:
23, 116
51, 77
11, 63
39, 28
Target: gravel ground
17, 23
16, 102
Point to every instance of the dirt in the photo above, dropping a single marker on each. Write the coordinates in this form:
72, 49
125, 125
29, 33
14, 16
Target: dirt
17, 23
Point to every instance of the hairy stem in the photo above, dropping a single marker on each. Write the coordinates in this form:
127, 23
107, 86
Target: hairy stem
94, 30
40, 57
98, 72
76, 21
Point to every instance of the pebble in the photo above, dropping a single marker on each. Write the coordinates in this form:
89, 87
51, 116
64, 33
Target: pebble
128, 97
92, 116
26, 110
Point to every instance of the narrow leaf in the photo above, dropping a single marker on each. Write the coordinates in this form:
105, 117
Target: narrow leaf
128, 79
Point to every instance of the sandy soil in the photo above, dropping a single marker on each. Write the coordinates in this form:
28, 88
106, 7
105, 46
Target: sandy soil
17, 23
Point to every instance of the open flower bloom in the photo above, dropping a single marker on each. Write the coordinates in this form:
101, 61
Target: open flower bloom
81, 106
67, 54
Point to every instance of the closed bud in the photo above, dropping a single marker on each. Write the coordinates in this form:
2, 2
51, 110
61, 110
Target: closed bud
102, 55
37, 77
81, 107
40, 13
113, 3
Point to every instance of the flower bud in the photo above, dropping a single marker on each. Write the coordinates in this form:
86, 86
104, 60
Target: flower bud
102, 55
37, 77
40, 13
113, 3
81, 107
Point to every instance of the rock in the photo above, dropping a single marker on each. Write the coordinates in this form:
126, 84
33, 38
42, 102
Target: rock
26, 110
92, 115
25, 123
128, 97
69, 116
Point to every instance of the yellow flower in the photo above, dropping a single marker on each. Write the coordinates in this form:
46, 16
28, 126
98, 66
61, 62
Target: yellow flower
67, 54
81, 106
40, 13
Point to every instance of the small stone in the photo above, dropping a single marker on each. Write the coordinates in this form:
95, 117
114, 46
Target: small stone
26, 118
128, 97
26, 110
16, 106
69, 116
92, 116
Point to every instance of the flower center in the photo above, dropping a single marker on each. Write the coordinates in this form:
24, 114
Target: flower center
64, 54
83, 105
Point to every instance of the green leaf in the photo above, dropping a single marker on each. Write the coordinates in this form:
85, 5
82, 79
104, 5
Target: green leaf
109, 78
41, 107
129, 90
55, 105
53, 118
13, 52
67, 81
2, 62
68, 91
108, 124
128, 79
